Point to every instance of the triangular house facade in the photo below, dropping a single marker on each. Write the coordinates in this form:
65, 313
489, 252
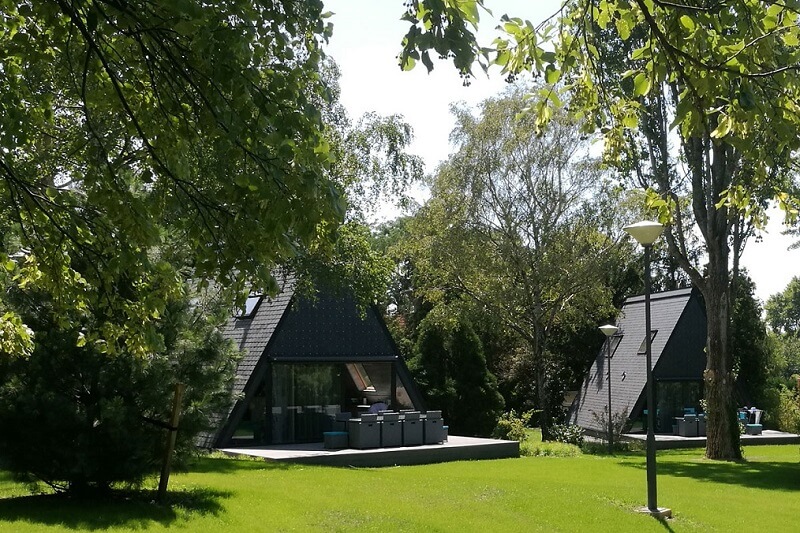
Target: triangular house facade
678, 321
306, 360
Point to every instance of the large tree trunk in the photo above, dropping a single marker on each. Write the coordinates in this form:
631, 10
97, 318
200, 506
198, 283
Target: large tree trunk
722, 427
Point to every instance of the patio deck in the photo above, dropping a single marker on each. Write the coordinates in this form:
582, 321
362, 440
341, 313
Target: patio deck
667, 442
455, 449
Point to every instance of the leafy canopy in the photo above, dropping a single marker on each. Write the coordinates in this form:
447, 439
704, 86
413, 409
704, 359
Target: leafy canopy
735, 61
127, 125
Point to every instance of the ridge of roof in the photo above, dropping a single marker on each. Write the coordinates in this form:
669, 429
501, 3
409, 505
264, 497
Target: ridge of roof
675, 293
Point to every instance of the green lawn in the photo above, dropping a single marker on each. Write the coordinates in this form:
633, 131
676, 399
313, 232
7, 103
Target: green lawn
580, 493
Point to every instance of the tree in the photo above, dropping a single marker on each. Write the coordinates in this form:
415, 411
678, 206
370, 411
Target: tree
753, 358
371, 166
118, 119
83, 420
509, 226
450, 367
729, 70
783, 310
783, 318
149, 151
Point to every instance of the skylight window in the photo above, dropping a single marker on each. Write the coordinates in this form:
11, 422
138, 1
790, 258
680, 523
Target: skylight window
250, 307
615, 340
643, 347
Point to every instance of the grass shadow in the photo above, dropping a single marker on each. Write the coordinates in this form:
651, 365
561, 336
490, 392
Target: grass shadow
218, 463
127, 509
664, 523
781, 476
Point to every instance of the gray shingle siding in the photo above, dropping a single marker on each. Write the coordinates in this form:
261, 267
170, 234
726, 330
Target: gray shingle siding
251, 336
628, 366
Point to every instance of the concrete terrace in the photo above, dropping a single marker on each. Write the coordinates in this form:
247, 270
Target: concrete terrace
668, 442
454, 449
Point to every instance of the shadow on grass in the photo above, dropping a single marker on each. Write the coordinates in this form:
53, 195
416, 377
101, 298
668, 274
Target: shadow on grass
763, 475
221, 464
128, 509
665, 523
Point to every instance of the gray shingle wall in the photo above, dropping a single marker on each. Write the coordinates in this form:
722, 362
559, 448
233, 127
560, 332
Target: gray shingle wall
251, 336
628, 367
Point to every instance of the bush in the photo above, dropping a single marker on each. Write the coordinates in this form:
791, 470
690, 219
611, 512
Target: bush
533, 446
512, 427
788, 416
601, 448
85, 420
549, 449
568, 433
450, 369
619, 423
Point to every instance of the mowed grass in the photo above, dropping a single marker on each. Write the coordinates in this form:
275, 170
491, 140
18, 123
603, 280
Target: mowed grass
542, 493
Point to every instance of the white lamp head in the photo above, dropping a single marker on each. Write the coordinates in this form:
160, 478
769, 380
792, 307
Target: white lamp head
645, 232
608, 329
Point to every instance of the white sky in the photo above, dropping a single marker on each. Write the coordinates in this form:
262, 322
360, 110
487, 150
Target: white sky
365, 43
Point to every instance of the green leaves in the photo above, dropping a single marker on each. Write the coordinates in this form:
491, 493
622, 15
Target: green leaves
665, 207
551, 74
442, 26
16, 338
687, 22
724, 127
185, 123
641, 84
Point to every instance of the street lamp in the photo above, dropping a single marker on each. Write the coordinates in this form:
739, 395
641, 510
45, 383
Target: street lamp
646, 234
608, 330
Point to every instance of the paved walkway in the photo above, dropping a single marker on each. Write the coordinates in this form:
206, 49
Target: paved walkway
665, 442
454, 449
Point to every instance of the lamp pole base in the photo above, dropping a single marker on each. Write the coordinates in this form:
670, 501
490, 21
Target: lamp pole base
660, 512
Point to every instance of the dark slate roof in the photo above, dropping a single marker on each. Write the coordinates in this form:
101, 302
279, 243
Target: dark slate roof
251, 335
332, 328
628, 367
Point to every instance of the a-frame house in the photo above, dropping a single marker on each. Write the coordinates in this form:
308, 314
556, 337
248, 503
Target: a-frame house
678, 321
304, 361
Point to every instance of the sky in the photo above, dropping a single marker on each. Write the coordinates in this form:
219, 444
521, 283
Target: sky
365, 43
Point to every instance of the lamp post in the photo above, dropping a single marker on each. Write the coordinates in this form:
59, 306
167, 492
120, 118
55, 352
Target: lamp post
608, 330
646, 234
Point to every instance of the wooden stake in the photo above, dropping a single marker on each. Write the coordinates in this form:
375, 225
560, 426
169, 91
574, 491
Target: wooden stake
172, 435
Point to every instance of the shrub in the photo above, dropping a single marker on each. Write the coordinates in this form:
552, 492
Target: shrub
548, 449
619, 423
512, 426
450, 369
568, 433
85, 420
788, 416
601, 448
533, 446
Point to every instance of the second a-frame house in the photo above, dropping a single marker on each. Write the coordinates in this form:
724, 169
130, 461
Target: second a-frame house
678, 321
304, 361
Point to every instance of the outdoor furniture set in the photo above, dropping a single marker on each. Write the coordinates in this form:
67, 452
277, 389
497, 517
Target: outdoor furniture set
751, 419
694, 425
386, 429
690, 425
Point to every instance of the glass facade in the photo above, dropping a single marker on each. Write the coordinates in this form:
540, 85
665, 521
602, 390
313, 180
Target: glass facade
305, 398
672, 397
302, 399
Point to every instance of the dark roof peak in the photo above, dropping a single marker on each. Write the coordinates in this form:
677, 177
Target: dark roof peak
676, 293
